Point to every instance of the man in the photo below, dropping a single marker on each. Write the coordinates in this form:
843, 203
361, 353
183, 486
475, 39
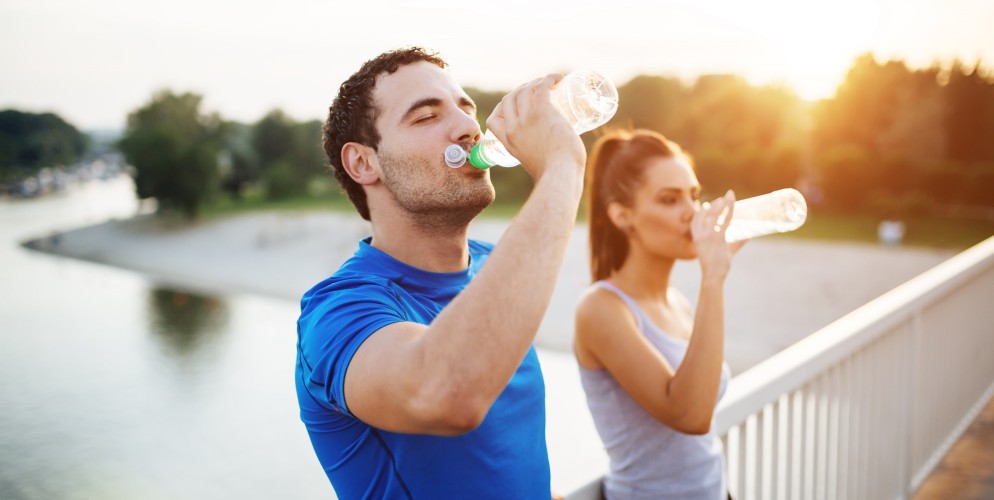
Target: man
416, 374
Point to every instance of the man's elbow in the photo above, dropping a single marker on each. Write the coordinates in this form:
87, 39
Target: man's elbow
452, 413
457, 424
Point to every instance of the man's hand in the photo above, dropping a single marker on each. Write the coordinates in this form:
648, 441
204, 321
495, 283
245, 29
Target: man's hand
534, 131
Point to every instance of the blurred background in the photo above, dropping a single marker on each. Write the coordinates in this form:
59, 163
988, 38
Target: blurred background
158, 118
882, 109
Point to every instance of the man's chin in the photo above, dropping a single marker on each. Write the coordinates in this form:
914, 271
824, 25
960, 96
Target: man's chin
452, 215
471, 210
482, 199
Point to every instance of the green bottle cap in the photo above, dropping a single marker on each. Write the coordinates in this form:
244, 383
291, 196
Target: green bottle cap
478, 159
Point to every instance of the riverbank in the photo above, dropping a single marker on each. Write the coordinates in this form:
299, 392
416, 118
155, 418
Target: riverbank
779, 291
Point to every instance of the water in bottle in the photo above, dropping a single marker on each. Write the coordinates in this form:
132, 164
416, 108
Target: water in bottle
777, 212
587, 100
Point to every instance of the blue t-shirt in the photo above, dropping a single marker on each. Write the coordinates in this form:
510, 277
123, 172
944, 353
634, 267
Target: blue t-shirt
505, 457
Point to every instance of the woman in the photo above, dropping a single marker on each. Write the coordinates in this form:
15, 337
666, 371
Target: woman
652, 367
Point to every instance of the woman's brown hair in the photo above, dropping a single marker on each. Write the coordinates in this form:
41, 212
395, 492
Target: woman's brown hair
614, 172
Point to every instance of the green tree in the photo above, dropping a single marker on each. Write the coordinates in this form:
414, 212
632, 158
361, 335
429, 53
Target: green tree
289, 153
743, 137
309, 153
173, 147
969, 120
845, 177
654, 103
30, 142
240, 167
895, 140
875, 135
273, 138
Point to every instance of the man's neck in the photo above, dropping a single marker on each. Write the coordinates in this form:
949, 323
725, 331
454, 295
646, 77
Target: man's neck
426, 247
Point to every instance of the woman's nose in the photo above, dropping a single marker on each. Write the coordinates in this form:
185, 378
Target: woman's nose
691, 209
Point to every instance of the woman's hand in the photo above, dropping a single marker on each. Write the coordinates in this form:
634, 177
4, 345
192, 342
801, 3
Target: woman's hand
714, 254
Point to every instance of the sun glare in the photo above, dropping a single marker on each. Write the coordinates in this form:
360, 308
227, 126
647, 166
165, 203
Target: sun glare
820, 50
812, 44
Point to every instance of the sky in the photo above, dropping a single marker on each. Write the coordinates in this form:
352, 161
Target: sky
92, 62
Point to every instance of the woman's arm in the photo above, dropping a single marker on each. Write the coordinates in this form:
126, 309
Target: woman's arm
607, 336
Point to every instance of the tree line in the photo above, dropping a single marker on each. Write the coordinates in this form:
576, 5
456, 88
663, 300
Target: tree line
905, 141
30, 142
893, 141
184, 156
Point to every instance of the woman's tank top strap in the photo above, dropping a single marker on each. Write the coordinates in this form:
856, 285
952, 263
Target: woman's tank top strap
630, 302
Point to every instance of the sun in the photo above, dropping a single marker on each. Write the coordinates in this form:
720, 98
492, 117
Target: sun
811, 44
820, 47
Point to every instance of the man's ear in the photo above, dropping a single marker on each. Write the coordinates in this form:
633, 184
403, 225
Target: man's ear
360, 163
620, 216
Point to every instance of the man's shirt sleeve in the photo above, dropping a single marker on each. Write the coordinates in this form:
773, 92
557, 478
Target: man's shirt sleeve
335, 322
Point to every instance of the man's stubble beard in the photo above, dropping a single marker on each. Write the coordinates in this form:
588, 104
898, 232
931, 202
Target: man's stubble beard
449, 206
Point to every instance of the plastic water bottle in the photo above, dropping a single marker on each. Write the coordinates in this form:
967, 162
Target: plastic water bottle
777, 212
587, 100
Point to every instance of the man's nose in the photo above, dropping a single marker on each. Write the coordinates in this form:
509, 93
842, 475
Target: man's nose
466, 129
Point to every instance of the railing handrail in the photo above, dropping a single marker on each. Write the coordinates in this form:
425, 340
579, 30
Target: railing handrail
795, 365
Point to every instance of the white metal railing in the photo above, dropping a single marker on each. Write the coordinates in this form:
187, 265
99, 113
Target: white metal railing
867, 406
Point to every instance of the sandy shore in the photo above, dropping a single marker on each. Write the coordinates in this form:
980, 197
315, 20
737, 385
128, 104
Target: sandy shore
779, 291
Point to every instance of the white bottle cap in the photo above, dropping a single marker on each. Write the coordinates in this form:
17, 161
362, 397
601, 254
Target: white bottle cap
455, 156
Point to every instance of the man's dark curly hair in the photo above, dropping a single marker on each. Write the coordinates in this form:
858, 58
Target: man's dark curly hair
352, 115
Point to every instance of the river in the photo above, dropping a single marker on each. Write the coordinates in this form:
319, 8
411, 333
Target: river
114, 387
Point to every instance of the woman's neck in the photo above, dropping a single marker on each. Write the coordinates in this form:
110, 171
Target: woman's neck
644, 276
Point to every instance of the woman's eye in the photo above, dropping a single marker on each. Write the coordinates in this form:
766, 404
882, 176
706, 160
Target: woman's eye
424, 119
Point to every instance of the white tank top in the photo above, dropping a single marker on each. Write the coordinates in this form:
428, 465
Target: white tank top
649, 460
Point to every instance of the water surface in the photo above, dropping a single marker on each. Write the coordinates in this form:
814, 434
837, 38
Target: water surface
114, 387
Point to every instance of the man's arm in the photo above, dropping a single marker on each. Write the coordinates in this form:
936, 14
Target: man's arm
444, 377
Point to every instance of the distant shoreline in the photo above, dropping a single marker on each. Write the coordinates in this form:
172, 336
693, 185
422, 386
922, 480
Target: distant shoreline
779, 291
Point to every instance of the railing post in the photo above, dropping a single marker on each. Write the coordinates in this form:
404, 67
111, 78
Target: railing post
912, 375
752, 456
783, 446
769, 447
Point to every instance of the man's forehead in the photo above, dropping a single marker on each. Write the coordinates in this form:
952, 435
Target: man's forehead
395, 92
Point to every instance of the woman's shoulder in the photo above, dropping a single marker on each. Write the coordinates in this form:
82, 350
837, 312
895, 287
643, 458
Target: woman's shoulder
599, 309
597, 298
601, 315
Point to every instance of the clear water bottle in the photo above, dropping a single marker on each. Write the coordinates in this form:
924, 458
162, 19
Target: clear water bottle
777, 212
587, 100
